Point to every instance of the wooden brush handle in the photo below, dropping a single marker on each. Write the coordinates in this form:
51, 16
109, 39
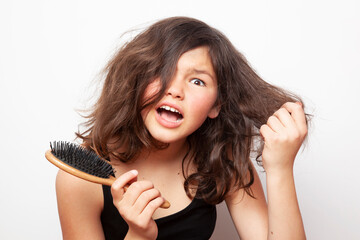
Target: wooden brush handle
88, 177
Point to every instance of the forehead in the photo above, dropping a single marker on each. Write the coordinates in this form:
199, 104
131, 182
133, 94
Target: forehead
197, 60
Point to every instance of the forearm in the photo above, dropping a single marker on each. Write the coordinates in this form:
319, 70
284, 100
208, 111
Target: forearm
285, 220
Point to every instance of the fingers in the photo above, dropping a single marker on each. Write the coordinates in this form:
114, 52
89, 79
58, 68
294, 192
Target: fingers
145, 198
289, 119
139, 194
275, 124
283, 135
137, 205
137, 200
117, 188
266, 131
290, 115
150, 208
297, 114
285, 118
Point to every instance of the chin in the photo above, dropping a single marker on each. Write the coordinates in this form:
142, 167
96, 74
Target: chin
167, 138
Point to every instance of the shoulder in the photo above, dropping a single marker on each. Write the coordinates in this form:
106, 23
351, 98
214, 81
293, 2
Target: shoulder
78, 189
79, 204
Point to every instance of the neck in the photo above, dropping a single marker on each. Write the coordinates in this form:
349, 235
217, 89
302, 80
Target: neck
174, 153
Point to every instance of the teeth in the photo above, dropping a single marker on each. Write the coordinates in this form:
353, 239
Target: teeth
170, 109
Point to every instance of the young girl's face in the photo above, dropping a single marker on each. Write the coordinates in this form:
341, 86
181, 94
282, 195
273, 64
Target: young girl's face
188, 101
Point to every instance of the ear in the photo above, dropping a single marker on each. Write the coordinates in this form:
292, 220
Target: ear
214, 112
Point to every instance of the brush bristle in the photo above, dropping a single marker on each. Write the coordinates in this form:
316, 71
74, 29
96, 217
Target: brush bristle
82, 159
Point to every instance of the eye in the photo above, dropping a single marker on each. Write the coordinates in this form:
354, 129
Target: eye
198, 82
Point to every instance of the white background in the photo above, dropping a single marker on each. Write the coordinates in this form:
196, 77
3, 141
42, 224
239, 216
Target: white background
51, 51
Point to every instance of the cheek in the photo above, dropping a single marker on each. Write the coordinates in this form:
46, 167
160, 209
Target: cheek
151, 90
202, 104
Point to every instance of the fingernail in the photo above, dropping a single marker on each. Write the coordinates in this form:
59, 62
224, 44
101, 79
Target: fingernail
299, 103
135, 172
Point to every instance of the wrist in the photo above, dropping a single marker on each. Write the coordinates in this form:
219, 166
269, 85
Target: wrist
280, 179
132, 235
280, 182
283, 172
281, 167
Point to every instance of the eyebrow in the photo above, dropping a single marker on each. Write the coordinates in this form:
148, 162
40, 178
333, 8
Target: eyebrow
198, 71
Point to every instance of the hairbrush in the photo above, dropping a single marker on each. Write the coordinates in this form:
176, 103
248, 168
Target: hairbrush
83, 163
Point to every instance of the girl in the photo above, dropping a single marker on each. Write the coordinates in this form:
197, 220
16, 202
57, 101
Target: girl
178, 117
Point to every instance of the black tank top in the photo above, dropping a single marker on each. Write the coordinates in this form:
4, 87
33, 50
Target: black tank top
195, 222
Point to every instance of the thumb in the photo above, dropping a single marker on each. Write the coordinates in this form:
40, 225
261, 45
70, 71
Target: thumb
123, 181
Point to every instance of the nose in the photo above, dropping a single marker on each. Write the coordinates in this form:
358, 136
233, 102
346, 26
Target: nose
176, 89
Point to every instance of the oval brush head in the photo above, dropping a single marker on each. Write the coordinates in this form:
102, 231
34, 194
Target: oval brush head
80, 162
82, 159
83, 163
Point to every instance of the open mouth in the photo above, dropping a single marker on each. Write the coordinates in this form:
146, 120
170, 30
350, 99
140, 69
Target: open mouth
169, 114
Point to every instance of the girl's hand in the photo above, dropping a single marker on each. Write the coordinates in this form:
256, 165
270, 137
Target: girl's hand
137, 205
283, 135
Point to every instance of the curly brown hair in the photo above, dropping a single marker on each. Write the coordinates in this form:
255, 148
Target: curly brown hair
221, 147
